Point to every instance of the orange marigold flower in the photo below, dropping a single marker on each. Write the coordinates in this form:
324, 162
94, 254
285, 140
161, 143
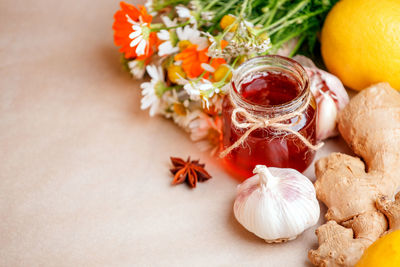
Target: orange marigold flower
214, 63
192, 59
224, 44
132, 31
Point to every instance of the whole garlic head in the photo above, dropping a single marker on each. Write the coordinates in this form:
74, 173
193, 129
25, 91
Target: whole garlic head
276, 204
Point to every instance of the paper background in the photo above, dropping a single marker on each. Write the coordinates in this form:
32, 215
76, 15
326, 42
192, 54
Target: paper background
84, 177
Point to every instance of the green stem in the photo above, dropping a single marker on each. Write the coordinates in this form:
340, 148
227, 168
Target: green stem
169, 3
234, 62
286, 39
221, 13
244, 7
297, 47
264, 18
222, 82
227, 7
212, 3
256, 20
289, 22
159, 28
293, 11
291, 36
272, 15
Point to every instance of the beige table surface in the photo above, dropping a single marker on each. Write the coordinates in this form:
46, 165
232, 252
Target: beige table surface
84, 175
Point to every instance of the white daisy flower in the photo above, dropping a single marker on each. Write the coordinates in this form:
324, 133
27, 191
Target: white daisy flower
197, 88
150, 7
171, 97
184, 121
225, 88
166, 47
139, 36
195, 5
206, 132
202, 89
184, 13
178, 109
207, 15
192, 35
199, 128
242, 42
137, 68
165, 104
152, 91
207, 67
168, 22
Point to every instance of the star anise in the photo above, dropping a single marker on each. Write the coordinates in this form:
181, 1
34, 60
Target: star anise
189, 171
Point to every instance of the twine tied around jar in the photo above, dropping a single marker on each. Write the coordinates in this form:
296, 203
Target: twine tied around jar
253, 122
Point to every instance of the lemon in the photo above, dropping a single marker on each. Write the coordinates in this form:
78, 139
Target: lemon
385, 252
360, 42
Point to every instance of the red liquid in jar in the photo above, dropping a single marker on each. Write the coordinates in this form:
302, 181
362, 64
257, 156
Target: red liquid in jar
265, 146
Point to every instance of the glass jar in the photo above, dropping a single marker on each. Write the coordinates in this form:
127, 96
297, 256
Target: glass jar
269, 87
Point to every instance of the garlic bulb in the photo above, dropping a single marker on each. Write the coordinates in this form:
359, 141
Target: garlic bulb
276, 204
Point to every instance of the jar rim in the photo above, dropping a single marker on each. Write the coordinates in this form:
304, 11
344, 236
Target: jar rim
263, 63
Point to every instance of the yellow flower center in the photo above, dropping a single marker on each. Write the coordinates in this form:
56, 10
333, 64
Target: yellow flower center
160, 88
145, 32
221, 72
227, 21
183, 44
179, 109
175, 73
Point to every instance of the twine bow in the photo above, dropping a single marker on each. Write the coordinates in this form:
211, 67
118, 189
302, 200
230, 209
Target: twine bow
253, 122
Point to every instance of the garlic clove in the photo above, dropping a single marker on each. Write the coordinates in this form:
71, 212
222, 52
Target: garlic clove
329, 90
321, 80
336, 88
326, 117
324, 82
276, 204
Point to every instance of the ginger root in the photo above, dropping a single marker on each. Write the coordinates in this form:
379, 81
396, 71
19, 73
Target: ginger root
351, 189
332, 236
391, 209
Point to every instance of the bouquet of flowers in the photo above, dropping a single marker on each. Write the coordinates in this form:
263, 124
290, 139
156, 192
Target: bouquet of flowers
190, 49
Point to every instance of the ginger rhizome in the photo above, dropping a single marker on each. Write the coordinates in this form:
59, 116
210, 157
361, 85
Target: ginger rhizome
358, 190
391, 209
